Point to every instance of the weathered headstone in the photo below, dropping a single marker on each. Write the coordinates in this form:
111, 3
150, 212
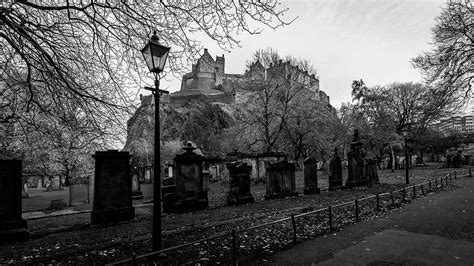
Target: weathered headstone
239, 192
40, 183
335, 172
355, 175
113, 188
371, 171
310, 176
78, 191
189, 193
281, 180
136, 190
148, 174
205, 180
12, 227
24, 191
56, 184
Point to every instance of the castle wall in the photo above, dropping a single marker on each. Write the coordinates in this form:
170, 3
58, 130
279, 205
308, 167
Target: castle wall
199, 98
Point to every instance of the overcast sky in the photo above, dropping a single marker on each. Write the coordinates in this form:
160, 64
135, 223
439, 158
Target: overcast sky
346, 40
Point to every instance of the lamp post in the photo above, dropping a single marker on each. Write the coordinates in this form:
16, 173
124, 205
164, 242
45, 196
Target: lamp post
405, 134
155, 56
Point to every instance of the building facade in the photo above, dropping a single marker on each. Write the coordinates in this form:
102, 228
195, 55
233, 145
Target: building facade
460, 124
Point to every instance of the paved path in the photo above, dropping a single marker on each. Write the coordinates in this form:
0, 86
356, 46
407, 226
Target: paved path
436, 230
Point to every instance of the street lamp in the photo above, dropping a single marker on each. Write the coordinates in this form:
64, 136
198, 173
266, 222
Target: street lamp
405, 134
155, 56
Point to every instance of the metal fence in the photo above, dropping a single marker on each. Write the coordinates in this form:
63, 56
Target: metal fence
248, 243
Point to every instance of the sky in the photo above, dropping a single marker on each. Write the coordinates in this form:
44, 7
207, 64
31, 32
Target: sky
345, 40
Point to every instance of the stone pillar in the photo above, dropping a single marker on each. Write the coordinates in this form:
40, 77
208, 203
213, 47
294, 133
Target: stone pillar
189, 193
335, 172
12, 227
112, 188
239, 191
355, 174
280, 180
310, 176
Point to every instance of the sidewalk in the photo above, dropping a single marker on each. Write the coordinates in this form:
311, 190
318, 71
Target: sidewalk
436, 230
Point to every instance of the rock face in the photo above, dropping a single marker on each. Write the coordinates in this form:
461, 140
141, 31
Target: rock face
195, 121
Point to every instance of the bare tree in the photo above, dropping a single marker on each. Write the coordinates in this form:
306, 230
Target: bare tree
86, 53
449, 66
276, 99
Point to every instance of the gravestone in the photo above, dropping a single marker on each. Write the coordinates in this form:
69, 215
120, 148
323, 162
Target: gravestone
56, 184
205, 180
136, 190
24, 191
281, 180
112, 188
371, 171
310, 176
40, 183
239, 175
335, 172
355, 170
189, 192
78, 191
12, 227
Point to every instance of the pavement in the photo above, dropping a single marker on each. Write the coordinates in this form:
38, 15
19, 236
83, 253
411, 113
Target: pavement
434, 230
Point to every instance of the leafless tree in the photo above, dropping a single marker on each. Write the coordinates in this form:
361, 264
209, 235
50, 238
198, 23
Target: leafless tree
84, 55
449, 66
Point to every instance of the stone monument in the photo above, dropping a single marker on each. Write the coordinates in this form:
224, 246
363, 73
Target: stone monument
355, 170
12, 227
281, 180
310, 176
335, 172
239, 191
112, 188
189, 192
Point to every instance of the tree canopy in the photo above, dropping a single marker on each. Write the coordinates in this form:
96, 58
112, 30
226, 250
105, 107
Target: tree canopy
449, 66
83, 55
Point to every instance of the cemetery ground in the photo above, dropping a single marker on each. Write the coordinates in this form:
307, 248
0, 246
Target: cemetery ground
71, 238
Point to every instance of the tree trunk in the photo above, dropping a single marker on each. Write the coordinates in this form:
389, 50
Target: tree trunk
393, 158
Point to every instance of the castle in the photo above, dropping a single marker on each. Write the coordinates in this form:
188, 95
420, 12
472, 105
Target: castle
208, 82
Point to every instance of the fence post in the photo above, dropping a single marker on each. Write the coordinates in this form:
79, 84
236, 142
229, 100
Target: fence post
293, 221
377, 197
391, 197
436, 183
357, 210
414, 191
446, 181
330, 218
441, 182
429, 185
470, 173
234, 247
422, 190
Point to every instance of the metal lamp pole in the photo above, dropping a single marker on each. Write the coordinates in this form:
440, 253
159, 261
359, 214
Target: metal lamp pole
155, 56
156, 234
